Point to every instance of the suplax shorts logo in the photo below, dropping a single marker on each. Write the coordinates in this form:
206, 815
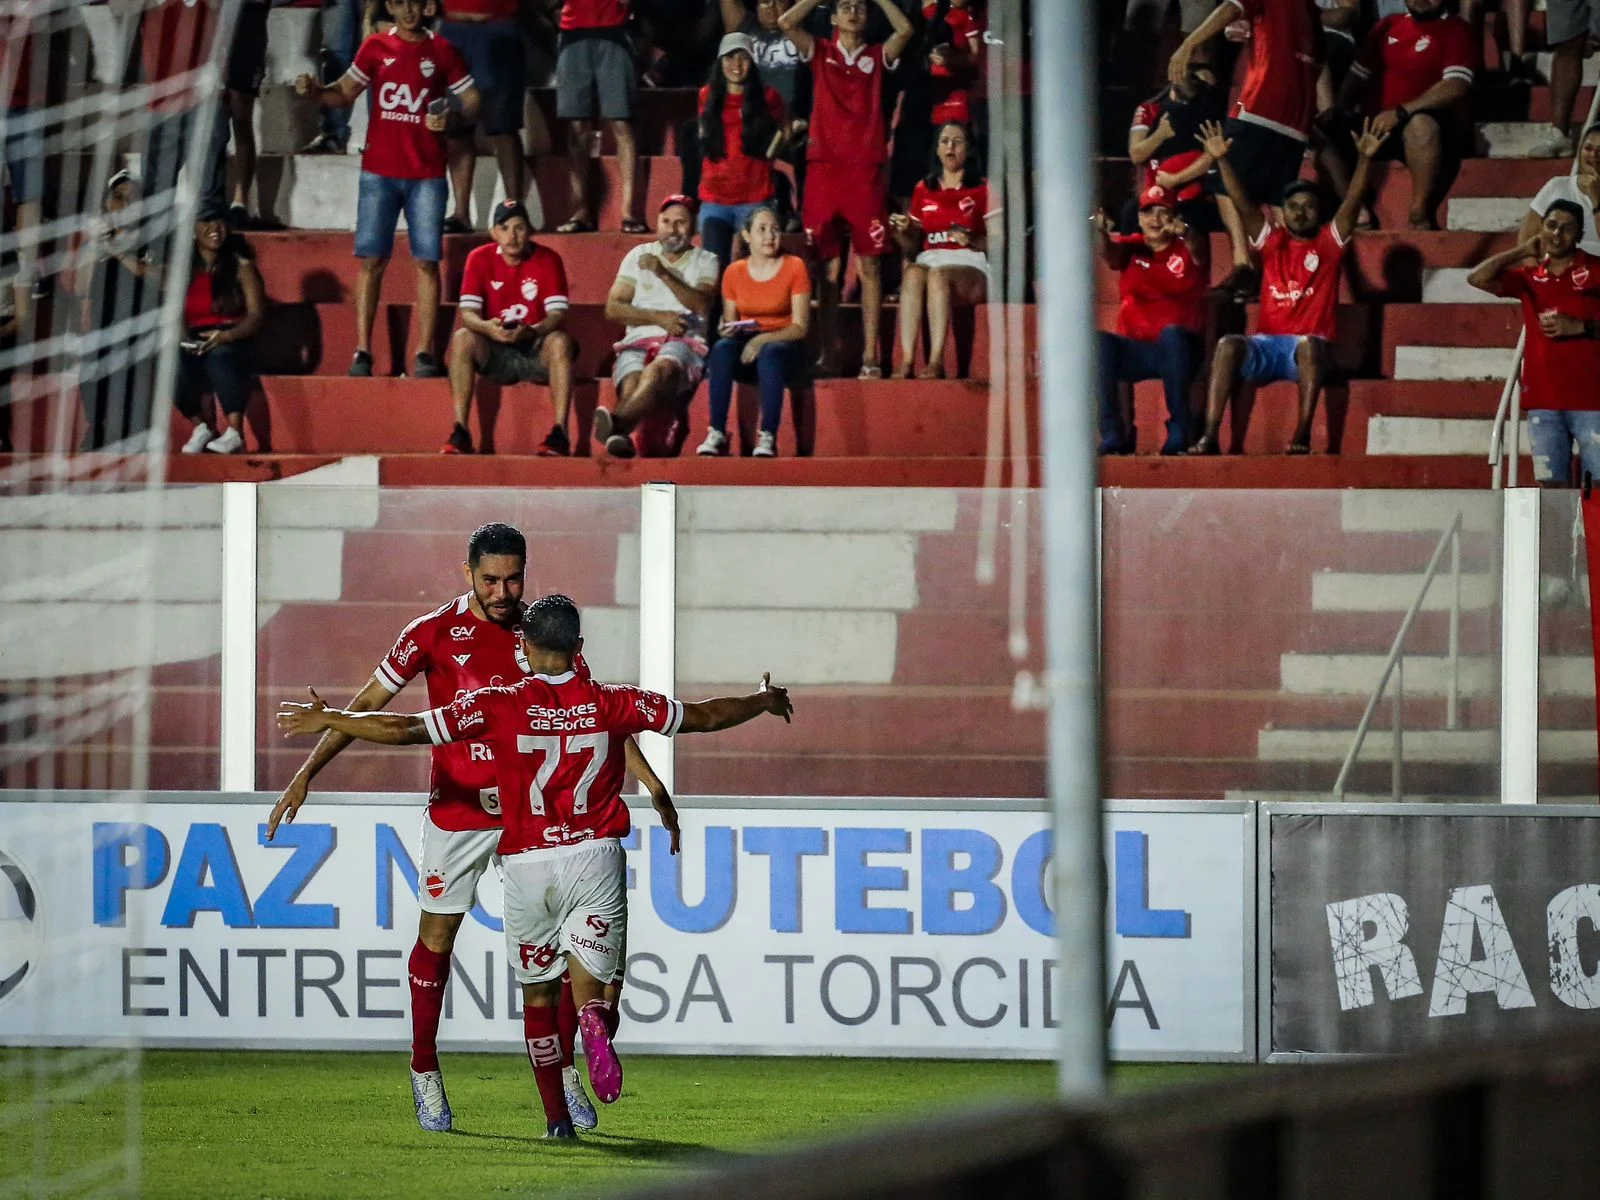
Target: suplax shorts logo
21, 926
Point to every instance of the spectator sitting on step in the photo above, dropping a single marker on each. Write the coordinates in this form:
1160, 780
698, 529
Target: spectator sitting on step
413, 74
766, 312
1162, 141
1558, 285
1411, 79
595, 80
1581, 187
663, 293
952, 219
488, 35
740, 133
1571, 28
223, 310
1163, 284
513, 308
1301, 265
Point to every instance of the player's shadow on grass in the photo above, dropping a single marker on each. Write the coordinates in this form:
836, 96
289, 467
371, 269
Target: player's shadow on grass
616, 1143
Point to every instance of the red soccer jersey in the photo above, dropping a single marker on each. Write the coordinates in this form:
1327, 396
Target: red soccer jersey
175, 37
847, 124
457, 652
405, 78
1558, 372
1300, 282
1404, 57
527, 291
594, 14
939, 210
1280, 90
736, 178
1158, 289
1145, 118
558, 749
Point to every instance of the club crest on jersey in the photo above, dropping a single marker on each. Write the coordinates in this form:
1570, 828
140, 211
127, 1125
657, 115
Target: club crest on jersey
1580, 276
1175, 264
968, 204
530, 289
434, 884
1312, 261
865, 65
426, 67
461, 659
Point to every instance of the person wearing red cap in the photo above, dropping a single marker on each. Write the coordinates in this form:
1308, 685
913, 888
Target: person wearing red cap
662, 296
513, 308
1301, 263
1163, 287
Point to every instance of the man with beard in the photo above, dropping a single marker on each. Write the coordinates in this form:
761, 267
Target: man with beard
1301, 262
469, 643
663, 292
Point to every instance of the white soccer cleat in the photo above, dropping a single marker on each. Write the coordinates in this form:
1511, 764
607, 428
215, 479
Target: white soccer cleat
433, 1107
197, 440
579, 1105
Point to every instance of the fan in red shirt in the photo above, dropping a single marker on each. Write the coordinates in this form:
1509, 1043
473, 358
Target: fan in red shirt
740, 128
846, 182
557, 740
1163, 286
1558, 286
1271, 123
513, 308
413, 75
1411, 77
468, 643
1301, 261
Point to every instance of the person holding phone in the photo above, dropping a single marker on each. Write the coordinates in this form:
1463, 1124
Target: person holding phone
766, 309
223, 310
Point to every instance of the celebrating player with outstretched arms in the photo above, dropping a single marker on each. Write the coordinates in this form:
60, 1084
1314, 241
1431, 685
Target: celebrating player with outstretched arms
468, 643
557, 739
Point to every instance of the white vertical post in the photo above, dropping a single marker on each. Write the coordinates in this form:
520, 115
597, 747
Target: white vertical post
1064, 121
238, 637
1519, 648
658, 609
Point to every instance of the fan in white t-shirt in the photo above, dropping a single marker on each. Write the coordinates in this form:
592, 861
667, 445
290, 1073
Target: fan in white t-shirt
662, 296
1582, 188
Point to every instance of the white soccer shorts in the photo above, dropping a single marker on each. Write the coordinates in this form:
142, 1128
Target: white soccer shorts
453, 860
566, 901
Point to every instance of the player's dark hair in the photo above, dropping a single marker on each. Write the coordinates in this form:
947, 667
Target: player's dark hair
496, 538
1570, 207
971, 174
551, 623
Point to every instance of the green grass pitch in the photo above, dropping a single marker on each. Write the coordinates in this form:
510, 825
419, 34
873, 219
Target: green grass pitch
259, 1124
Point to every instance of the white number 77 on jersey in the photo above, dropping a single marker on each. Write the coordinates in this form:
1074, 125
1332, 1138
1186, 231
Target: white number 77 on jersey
550, 745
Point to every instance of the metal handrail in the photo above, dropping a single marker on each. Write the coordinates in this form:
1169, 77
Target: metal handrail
1511, 395
1394, 666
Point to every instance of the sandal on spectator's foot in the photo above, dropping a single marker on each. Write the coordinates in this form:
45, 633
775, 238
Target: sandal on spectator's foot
1299, 446
932, 371
870, 371
1206, 446
575, 225
903, 371
456, 225
635, 227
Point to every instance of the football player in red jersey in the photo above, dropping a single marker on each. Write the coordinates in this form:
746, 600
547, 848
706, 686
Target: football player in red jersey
1301, 263
558, 742
470, 642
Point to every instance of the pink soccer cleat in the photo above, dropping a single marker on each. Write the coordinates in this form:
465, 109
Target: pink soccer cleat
605, 1070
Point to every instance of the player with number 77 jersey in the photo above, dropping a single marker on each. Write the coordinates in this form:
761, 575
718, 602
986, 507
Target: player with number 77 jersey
558, 750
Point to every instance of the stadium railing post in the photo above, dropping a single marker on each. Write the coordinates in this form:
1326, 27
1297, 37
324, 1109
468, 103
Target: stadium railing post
658, 610
238, 621
1519, 647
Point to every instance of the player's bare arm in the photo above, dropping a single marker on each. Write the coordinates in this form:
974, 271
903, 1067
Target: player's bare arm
386, 729
370, 698
713, 716
660, 799
793, 24
1368, 142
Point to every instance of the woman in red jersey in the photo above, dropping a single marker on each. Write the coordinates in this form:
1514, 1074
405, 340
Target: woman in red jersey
952, 218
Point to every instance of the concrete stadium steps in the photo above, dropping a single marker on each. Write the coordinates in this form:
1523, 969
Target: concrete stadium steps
914, 419
1318, 470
